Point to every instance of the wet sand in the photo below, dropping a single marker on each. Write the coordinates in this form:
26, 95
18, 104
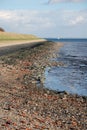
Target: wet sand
24, 102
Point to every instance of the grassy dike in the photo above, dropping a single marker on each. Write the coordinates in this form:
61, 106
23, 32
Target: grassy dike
7, 39
5, 36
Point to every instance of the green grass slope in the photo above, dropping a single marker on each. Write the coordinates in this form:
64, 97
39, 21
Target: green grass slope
5, 36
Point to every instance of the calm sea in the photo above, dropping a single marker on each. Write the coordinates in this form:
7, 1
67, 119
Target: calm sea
72, 77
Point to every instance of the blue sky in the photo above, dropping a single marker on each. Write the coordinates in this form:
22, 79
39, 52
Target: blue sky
45, 18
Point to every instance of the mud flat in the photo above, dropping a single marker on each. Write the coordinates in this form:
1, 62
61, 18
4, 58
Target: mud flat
24, 102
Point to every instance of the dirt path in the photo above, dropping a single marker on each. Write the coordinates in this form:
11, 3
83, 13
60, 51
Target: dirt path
9, 47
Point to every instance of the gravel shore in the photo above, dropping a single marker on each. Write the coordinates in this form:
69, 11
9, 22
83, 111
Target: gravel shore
24, 102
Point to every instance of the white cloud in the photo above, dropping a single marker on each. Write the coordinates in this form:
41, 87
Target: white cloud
77, 20
25, 21
43, 23
57, 1
5, 15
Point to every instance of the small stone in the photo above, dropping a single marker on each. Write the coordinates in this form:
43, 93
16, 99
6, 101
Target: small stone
6, 106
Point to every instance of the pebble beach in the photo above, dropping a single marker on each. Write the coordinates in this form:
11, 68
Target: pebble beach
25, 104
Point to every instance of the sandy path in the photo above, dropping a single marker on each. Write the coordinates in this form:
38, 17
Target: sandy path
12, 43
10, 47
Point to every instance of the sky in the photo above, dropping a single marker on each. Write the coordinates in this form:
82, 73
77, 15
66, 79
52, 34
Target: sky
45, 18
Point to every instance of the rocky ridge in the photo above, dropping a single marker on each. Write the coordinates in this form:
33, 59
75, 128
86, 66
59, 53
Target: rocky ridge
26, 106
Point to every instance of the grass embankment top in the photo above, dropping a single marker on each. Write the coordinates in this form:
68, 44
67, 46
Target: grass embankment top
5, 36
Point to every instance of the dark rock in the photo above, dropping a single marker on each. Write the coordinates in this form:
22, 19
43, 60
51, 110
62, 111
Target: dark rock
2, 30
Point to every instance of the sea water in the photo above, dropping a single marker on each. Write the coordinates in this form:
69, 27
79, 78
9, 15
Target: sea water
72, 76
